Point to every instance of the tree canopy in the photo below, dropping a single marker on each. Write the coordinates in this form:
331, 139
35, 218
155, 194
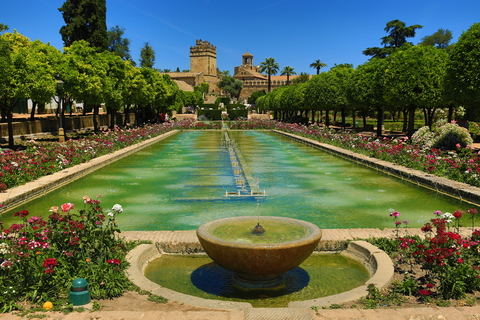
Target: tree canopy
464, 68
414, 77
147, 56
231, 85
117, 44
85, 20
288, 71
317, 65
270, 66
397, 36
440, 39
26, 71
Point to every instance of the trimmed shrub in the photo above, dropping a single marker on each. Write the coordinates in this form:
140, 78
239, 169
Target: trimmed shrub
448, 136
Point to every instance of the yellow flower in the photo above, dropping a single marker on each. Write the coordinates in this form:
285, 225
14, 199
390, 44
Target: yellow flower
88, 260
47, 306
38, 252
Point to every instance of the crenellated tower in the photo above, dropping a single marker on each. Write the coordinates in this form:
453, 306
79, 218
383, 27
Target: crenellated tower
203, 58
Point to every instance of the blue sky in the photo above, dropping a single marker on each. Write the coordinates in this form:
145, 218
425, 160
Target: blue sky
294, 32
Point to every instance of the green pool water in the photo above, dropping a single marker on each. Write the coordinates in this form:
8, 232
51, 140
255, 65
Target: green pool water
275, 232
181, 182
320, 275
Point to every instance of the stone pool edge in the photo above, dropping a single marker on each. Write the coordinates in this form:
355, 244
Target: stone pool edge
459, 190
375, 260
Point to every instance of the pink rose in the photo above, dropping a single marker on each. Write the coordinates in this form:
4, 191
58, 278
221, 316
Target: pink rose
67, 207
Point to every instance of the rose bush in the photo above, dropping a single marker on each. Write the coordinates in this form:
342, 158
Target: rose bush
449, 263
40, 258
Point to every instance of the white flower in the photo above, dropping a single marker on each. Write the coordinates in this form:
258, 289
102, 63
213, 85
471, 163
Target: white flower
447, 216
117, 208
110, 214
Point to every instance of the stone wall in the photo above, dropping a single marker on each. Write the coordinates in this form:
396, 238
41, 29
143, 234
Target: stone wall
50, 124
251, 86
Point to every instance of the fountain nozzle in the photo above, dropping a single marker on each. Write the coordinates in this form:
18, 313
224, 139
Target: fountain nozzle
258, 229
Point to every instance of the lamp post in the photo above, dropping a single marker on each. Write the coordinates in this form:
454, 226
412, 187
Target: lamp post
61, 132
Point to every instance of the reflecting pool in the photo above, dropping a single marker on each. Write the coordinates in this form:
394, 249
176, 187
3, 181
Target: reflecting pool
183, 182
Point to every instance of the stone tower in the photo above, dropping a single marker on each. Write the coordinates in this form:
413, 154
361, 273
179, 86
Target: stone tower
247, 59
203, 58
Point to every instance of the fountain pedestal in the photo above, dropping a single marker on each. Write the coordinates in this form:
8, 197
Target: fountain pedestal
259, 260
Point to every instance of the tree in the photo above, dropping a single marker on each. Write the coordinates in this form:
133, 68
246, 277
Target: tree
147, 57
302, 78
85, 20
336, 86
317, 65
364, 90
117, 44
254, 96
26, 72
223, 73
270, 67
3, 27
114, 85
398, 33
203, 88
288, 71
463, 81
414, 77
231, 85
84, 73
440, 39
343, 65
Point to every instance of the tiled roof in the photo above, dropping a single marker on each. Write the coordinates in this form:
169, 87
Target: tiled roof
182, 85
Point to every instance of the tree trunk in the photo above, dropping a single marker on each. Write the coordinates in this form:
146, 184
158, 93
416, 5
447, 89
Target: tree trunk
342, 112
95, 122
11, 142
425, 116
405, 121
411, 121
125, 111
327, 119
380, 112
112, 117
430, 116
32, 114
450, 113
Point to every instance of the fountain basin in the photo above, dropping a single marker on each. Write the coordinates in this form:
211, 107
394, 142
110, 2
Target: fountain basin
375, 260
259, 260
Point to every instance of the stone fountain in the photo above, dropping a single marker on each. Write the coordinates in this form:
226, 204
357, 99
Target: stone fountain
259, 249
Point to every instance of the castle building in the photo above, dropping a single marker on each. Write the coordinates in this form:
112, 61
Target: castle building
203, 59
248, 71
203, 68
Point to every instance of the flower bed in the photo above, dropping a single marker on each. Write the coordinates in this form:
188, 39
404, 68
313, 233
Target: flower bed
441, 267
462, 164
40, 258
